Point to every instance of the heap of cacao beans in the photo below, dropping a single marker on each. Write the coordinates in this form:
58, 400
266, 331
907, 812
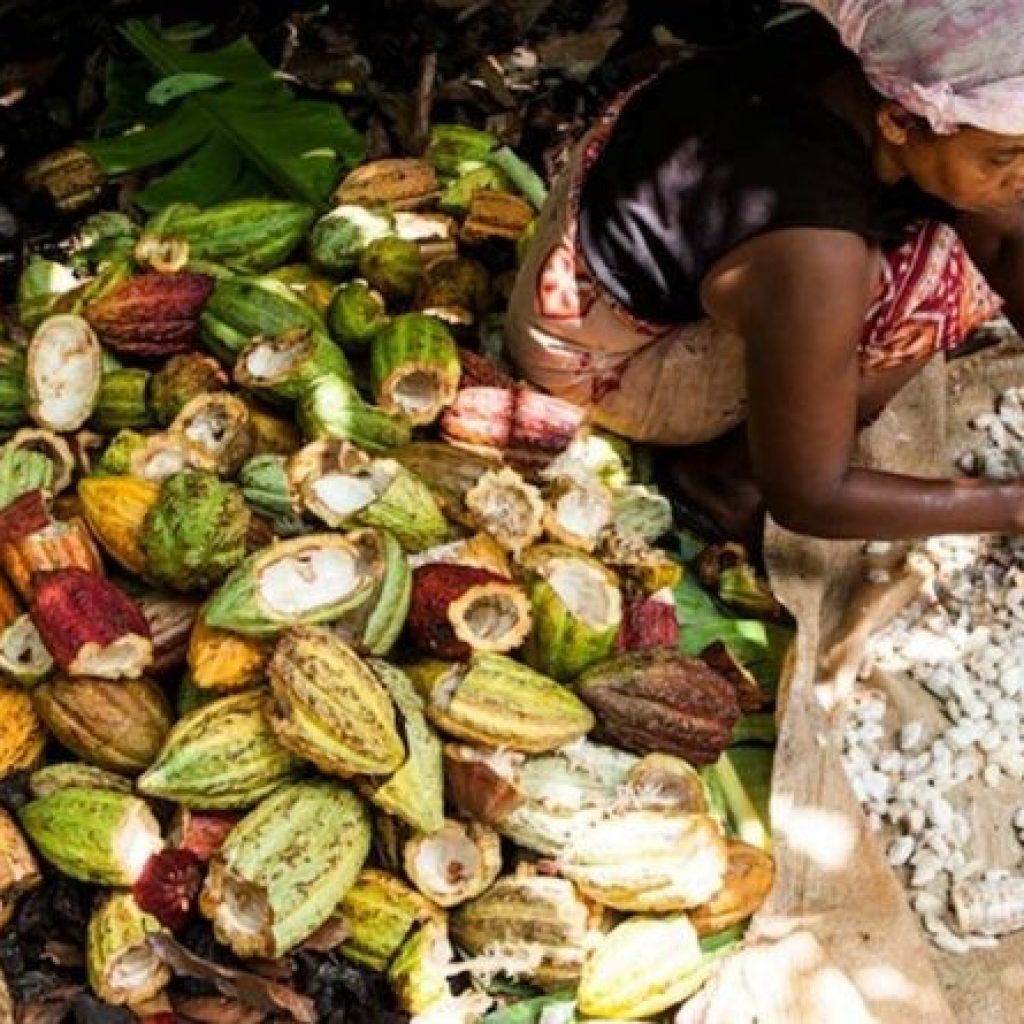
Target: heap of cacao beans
319, 627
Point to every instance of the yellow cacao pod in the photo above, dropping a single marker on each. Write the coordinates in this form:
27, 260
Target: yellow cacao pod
22, 737
115, 508
222, 660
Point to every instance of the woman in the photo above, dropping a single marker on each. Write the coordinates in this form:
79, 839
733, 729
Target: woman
751, 253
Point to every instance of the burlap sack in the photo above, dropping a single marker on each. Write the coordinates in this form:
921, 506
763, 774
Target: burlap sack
837, 942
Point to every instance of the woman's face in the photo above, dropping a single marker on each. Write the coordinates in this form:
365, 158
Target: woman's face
972, 169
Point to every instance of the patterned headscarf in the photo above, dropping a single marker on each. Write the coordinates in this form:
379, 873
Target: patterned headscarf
953, 62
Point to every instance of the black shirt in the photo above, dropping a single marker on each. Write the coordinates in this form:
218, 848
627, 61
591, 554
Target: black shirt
725, 146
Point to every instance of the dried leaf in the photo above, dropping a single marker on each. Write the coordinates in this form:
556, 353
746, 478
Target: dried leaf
329, 936
250, 989
217, 1010
63, 954
576, 54
51, 1008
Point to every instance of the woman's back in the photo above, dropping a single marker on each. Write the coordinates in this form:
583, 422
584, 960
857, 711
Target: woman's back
723, 147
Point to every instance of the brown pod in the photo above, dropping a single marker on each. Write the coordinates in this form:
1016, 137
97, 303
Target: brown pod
19, 871
60, 545
661, 701
219, 425
748, 691
458, 609
170, 626
89, 626
120, 726
494, 214
481, 782
151, 314
404, 184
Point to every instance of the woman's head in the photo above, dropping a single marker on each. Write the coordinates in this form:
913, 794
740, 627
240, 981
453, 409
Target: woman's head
951, 77
969, 168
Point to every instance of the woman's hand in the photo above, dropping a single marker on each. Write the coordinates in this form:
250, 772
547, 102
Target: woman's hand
799, 299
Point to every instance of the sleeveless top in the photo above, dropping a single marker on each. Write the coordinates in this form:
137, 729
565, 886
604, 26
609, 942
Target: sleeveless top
725, 146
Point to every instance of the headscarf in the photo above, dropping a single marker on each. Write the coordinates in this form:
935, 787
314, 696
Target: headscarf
953, 62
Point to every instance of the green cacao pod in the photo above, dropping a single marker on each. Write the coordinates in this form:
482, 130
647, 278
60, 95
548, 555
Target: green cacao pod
122, 966
93, 835
195, 534
374, 627
222, 754
21, 471
288, 863
577, 610
418, 973
122, 402
12, 387
415, 367
333, 409
454, 148
242, 308
285, 366
339, 238
116, 458
393, 266
264, 483
415, 793
247, 234
377, 914
48, 779
329, 707
356, 313
498, 702
317, 578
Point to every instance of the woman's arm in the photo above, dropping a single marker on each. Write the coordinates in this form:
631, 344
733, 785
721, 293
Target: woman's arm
798, 297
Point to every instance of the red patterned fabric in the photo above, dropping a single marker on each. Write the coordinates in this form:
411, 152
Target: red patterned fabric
930, 298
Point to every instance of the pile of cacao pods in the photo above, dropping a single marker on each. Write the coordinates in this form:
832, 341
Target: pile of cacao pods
316, 623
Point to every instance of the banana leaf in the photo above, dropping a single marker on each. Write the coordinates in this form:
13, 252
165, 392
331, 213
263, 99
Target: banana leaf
759, 645
235, 127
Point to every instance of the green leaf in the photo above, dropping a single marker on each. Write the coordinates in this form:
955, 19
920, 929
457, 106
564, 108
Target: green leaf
182, 132
207, 176
125, 86
753, 765
173, 87
528, 1011
759, 645
188, 31
298, 147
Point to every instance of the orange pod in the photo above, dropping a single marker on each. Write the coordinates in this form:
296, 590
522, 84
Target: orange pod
222, 660
61, 545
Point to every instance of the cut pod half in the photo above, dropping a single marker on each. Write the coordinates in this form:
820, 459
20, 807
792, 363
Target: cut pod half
63, 373
454, 864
